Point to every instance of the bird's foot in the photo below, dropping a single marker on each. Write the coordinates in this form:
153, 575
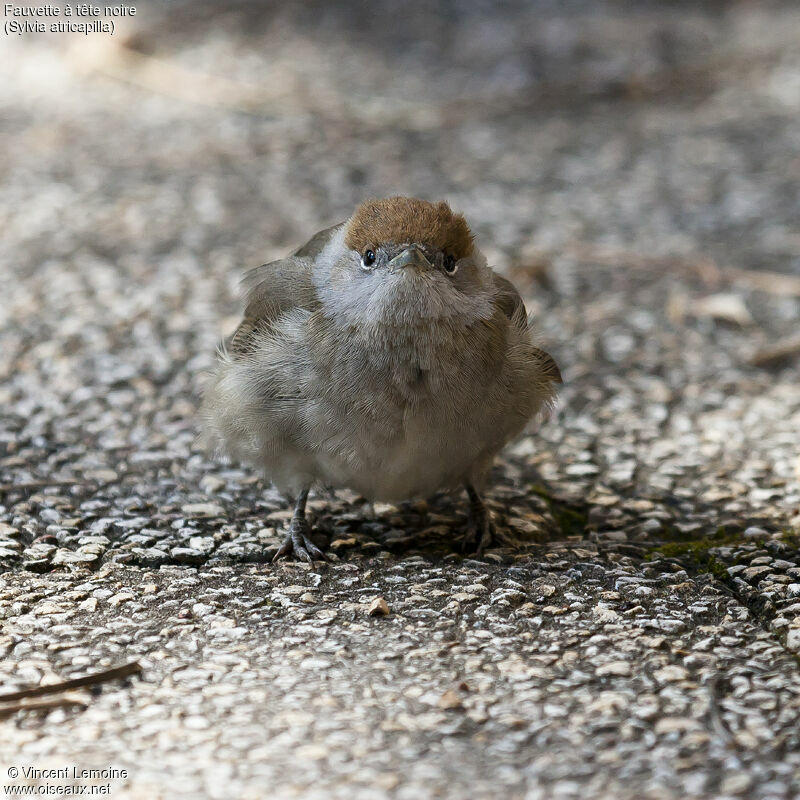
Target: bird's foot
298, 544
479, 535
482, 534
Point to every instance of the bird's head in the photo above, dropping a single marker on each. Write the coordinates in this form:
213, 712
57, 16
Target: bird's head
399, 260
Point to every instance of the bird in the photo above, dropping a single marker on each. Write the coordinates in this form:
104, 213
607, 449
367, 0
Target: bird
384, 356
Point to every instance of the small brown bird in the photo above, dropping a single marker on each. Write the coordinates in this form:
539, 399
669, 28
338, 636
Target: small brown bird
384, 356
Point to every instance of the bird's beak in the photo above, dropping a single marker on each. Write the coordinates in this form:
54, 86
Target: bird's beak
411, 256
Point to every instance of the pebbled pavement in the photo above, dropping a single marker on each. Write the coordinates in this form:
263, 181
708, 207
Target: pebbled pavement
633, 167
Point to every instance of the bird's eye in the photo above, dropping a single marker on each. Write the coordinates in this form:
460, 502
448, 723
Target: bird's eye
450, 264
368, 259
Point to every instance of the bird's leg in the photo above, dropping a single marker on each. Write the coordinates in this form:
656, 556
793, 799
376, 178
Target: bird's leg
298, 540
481, 532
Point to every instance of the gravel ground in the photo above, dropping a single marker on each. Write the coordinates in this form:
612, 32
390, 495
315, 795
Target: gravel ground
634, 168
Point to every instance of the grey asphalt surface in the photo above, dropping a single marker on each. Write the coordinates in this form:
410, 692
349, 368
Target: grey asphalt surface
633, 167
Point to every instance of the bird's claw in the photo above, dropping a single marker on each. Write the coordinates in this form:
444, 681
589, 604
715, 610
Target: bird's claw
482, 534
298, 543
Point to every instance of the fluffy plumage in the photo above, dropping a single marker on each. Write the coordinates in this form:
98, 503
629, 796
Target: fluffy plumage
393, 382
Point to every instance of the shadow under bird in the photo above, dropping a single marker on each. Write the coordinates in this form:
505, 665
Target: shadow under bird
383, 356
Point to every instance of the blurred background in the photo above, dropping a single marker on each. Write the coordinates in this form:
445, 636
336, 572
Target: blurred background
633, 166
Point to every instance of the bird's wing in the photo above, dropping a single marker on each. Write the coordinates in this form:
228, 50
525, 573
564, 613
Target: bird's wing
509, 300
315, 245
275, 288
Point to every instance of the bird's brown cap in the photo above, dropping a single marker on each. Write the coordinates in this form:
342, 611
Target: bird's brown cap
400, 220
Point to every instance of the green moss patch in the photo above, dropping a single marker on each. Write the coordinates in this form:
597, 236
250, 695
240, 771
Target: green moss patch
570, 520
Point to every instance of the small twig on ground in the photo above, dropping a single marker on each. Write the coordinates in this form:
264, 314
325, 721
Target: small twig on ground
704, 268
775, 352
43, 705
125, 671
26, 485
707, 270
779, 283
